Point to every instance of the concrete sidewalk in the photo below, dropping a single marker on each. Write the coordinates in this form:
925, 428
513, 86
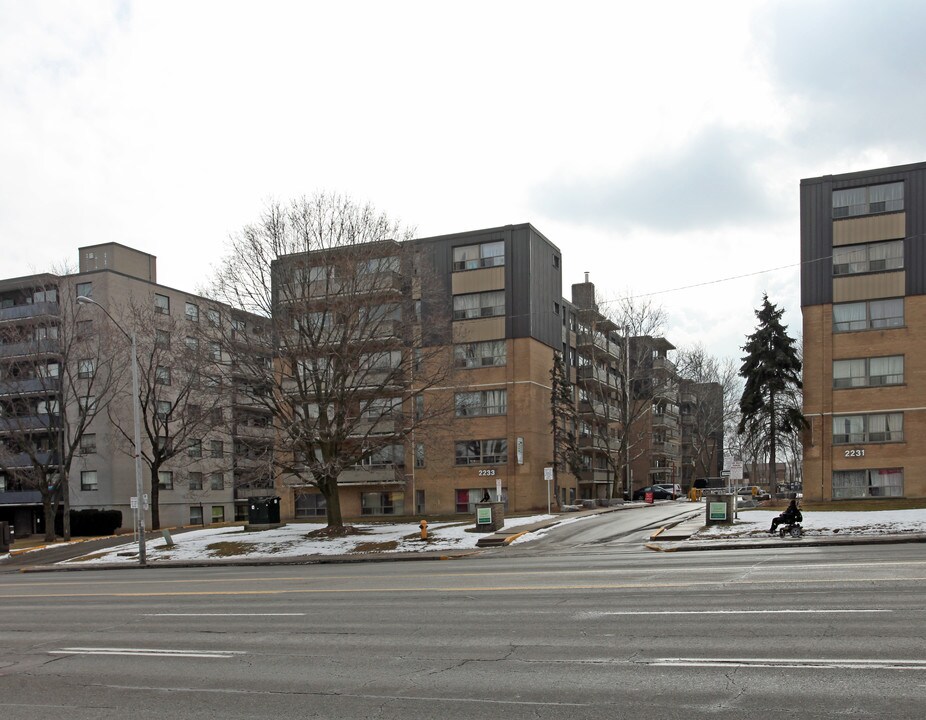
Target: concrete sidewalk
683, 537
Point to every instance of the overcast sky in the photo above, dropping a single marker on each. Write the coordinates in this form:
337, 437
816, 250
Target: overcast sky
659, 145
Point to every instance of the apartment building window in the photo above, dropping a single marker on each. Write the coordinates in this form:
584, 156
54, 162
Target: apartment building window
161, 304
873, 428
868, 200
46, 333
162, 339
868, 315
473, 257
85, 368
89, 480
217, 481
162, 375
377, 408
884, 482
215, 350
389, 455
86, 404
380, 362
483, 402
873, 257
310, 505
868, 372
217, 448
191, 343
163, 409
195, 480
87, 443
191, 310
419, 455
5, 485
482, 452
196, 514
382, 503
216, 416
84, 289
492, 353
479, 305
194, 448
214, 317
218, 513
165, 480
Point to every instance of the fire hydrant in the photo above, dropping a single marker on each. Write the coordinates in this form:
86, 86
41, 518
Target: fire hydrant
424, 529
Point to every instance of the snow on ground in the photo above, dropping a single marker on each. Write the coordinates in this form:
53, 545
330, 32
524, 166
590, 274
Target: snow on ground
292, 541
823, 524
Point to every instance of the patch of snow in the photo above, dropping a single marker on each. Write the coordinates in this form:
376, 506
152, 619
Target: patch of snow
824, 524
293, 540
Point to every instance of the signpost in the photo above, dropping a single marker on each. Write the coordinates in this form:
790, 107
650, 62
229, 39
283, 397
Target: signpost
548, 476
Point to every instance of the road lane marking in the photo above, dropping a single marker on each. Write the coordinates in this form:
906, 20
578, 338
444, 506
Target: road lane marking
816, 663
602, 613
490, 588
285, 614
148, 652
763, 566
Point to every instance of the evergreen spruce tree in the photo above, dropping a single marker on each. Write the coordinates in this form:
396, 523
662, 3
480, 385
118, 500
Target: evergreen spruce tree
772, 370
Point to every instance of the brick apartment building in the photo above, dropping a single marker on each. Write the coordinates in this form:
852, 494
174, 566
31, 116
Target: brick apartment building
863, 298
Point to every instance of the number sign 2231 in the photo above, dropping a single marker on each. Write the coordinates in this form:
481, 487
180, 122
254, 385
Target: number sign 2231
855, 453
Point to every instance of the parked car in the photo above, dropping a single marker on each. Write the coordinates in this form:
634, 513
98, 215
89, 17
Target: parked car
659, 493
754, 491
675, 489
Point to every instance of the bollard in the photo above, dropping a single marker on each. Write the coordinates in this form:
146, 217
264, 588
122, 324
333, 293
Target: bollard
424, 529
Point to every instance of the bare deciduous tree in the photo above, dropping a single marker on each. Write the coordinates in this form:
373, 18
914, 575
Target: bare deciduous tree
60, 371
180, 385
341, 289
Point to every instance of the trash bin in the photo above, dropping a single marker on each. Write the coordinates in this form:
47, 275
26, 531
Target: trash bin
6, 537
264, 511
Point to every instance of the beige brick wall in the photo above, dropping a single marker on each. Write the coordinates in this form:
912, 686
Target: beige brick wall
821, 401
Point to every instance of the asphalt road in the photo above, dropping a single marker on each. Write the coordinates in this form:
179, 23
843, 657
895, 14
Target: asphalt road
604, 630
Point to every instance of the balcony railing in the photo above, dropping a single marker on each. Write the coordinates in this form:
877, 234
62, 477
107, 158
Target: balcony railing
663, 363
596, 476
32, 310
597, 374
597, 342
30, 348
28, 386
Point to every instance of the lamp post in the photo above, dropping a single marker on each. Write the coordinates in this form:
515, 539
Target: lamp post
136, 408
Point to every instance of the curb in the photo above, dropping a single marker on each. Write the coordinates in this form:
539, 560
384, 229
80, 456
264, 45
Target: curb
789, 543
305, 560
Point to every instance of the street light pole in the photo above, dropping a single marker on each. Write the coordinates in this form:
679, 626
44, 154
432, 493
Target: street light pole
136, 411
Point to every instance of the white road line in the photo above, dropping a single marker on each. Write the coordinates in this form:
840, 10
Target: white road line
602, 613
224, 614
819, 663
147, 652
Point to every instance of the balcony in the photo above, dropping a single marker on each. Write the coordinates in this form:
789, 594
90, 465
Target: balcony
595, 443
373, 475
600, 410
27, 423
30, 349
596, 476
587, 373
663, 363
22, 460
21, 497
28, 386
597, 343
28, 312
665, 420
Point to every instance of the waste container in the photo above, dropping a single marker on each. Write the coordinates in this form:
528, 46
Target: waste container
6, 537
264, 510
